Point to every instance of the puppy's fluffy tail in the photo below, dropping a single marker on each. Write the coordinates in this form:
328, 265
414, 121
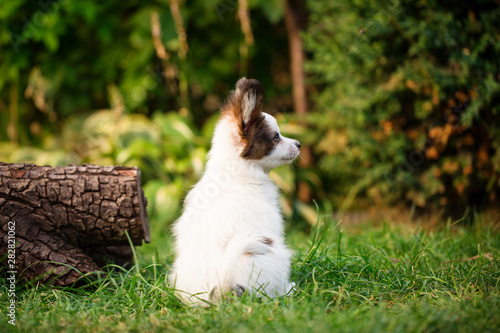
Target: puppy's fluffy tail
237, 247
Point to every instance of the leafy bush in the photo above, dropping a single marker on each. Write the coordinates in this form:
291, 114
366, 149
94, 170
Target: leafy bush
60, 58
83, 82
408, 106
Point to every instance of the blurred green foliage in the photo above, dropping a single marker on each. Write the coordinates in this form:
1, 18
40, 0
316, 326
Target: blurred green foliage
407, 107
62, 55
83, 82
405, 94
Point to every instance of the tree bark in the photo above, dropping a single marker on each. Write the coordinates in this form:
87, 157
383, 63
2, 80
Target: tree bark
296, 21
67, 221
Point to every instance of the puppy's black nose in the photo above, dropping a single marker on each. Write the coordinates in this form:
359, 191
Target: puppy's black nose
297, 144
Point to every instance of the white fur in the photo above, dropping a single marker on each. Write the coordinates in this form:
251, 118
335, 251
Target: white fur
228, 215
249, 101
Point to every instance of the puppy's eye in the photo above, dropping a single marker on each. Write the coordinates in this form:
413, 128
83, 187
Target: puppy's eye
277, 137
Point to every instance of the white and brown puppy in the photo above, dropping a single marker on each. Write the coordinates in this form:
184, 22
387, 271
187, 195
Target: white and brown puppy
230, 235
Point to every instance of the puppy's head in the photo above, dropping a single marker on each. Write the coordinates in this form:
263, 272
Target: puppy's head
257, 134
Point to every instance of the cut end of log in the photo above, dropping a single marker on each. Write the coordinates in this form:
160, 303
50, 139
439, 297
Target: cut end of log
143, 202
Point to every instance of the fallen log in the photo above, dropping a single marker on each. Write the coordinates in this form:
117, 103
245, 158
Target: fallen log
68, 221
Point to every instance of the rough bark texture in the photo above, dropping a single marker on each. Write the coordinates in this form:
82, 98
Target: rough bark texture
296, 21
70, 217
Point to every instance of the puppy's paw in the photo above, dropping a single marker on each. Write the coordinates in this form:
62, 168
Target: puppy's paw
290, 288
239, 290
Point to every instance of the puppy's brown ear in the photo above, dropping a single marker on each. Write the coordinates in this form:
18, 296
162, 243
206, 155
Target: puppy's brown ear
245, 105
241, 84
251, 93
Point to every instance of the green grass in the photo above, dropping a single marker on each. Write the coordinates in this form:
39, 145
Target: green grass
390, 278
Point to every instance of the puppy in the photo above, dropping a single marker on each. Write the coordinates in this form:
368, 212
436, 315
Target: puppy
230, 235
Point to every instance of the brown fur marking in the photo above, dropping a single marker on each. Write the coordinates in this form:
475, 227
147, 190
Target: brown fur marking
255, 134
267, 241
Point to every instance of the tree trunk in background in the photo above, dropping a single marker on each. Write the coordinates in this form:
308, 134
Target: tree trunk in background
75, 215
295, 21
